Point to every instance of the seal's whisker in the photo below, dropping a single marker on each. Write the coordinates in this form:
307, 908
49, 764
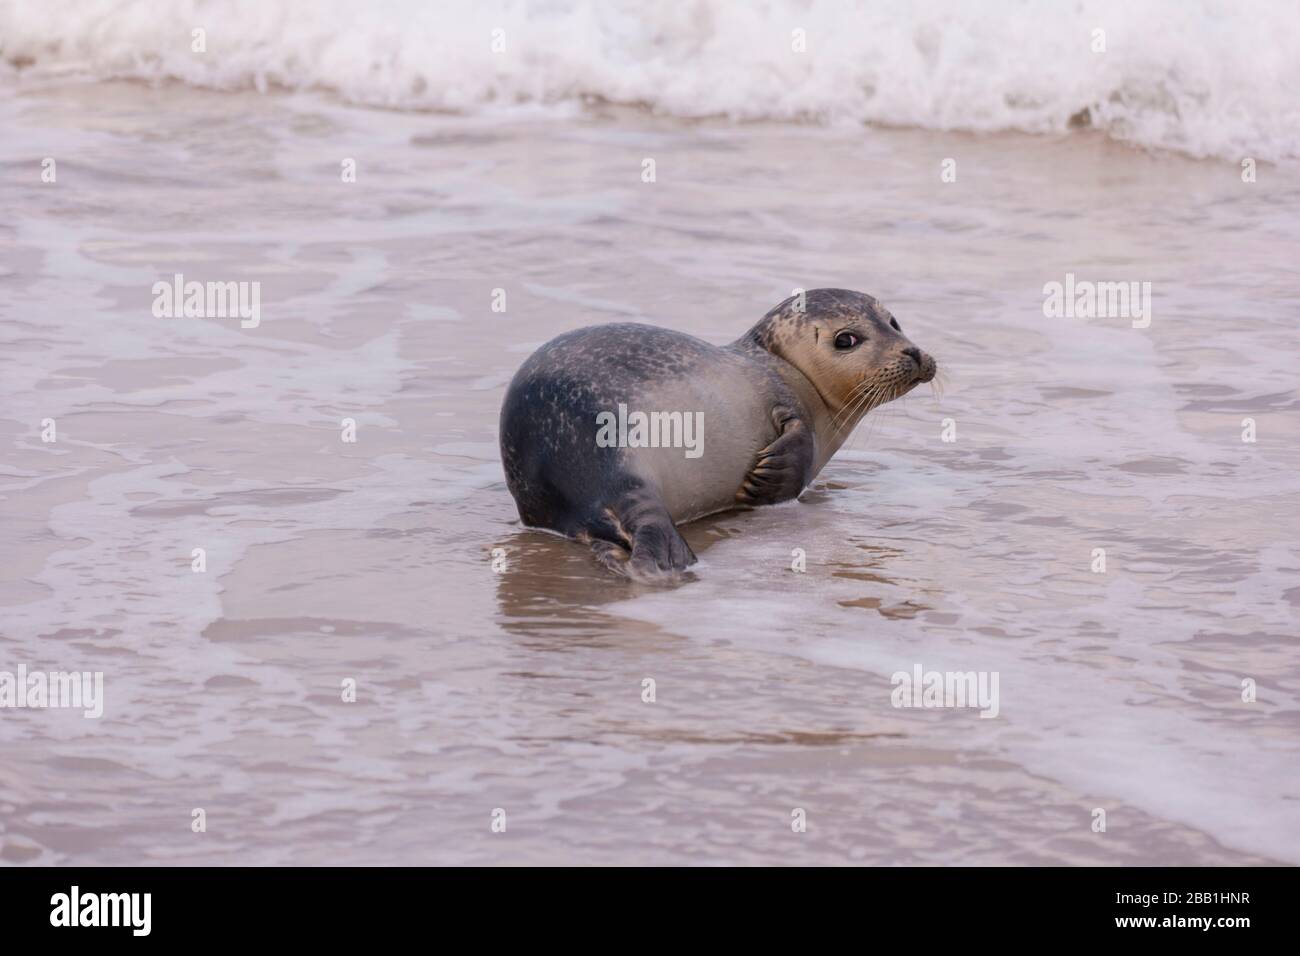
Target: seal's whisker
878, 420
868, 397
938, 384
863, 398
884, 397
847, 412
871, 430
844, 418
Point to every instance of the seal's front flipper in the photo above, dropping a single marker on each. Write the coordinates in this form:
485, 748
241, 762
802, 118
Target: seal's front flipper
638, 540
784, 467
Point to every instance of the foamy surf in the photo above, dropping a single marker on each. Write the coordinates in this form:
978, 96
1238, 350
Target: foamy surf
1203, 78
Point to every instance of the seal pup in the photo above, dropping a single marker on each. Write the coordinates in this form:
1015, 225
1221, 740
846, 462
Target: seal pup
615, 434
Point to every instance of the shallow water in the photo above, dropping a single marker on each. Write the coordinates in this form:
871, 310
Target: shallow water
522, 690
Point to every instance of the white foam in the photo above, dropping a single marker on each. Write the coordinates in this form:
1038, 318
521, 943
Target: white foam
1202, 77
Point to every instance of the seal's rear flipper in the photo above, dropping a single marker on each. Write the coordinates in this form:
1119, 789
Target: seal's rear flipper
659, 553
613, 556
638, 540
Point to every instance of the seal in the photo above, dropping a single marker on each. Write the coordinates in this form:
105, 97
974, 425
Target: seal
616, 434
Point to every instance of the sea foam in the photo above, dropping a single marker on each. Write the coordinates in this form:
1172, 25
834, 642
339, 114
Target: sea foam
1202, 77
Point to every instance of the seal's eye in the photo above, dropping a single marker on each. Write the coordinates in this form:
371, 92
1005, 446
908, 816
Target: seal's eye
846, 340
894, 322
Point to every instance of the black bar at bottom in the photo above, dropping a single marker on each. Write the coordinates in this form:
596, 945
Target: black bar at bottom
335, 906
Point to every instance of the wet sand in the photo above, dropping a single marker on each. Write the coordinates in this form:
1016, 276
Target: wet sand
522, 690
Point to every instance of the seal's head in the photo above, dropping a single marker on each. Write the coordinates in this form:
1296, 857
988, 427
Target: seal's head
847, 345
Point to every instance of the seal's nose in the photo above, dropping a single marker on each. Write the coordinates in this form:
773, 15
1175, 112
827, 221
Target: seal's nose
925, 366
